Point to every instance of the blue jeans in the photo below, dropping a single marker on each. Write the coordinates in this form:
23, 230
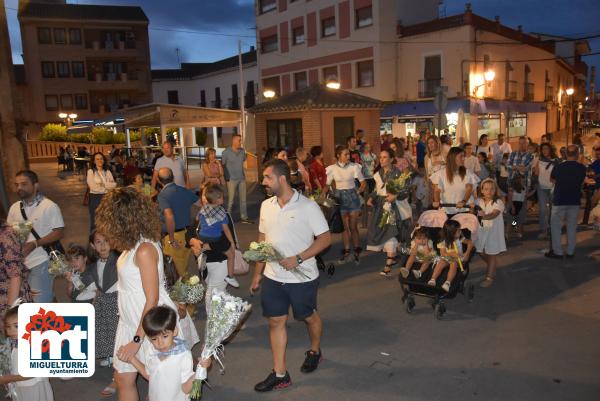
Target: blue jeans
41, 283
544, 199
568, 214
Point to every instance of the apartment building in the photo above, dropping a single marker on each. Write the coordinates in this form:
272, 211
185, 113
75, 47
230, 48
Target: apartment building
89, 60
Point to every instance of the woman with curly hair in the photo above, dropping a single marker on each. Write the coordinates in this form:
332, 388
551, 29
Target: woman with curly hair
130, 222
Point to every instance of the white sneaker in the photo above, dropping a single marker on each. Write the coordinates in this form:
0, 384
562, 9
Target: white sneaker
232, 281
431, 283
446, 286
417, 273
404, 272
106, 362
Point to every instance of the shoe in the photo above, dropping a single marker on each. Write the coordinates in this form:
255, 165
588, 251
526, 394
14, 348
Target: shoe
246, 221
404, 272
109, 390
311, 362
431, 283
417, 273
345, 256
552, 255
356, 255
232, 281
446, 286
487, 282
106, 362
572, 256
273, 382
543, 236
386, 273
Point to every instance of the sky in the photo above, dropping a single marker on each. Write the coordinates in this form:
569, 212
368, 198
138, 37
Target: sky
209, 30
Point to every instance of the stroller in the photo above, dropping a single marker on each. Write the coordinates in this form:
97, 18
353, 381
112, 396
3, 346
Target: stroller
331, 210
434, 220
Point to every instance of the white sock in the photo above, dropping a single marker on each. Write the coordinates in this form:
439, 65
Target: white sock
279, 376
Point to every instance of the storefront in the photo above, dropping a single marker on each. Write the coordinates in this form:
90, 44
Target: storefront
488, 124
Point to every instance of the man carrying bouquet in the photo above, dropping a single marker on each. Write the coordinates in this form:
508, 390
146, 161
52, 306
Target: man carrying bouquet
296, 228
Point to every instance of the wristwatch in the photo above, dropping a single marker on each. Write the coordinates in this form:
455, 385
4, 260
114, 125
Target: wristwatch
136, 339
299, 259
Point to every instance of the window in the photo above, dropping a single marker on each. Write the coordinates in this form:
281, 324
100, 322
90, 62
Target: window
272, 84
298, 35
284, 134
51, 102
267, 5
269, 44
80, 101
364, 17
60, 37
330, 73
62, 69
300, 81
48, 69
44, 36
217, 102
432, 76
235, 101
173, 97
249, 99
328, 27
202, 98
66, 102
75, 36
78, 69
365, 73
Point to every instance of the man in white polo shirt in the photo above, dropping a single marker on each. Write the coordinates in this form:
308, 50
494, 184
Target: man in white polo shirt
296, 227
175, 163
48, 224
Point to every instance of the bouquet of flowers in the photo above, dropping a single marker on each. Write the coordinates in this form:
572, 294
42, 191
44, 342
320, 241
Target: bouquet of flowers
76, 280
187, 290
425, 257
265, 252
22, 229
399, 185
225, 314
388, 216
58, 264
316, 195
5, 363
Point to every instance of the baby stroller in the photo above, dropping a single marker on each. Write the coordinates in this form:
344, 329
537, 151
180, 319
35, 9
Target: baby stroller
331, 210
434, 220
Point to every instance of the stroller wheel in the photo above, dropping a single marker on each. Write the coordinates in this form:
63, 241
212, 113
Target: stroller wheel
439, 311
410, 304
470, 294
331, 270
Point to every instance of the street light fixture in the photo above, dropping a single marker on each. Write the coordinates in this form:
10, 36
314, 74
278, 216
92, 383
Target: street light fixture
63, 115
488, 76
269, 93
569, 92
333, 84
72, 116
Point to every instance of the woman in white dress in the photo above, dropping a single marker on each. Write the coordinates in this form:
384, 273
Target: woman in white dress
453, 184
99, 181
130, 222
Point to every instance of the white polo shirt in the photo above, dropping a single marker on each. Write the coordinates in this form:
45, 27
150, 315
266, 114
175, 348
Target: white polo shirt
45, 217
345, 175
291, 230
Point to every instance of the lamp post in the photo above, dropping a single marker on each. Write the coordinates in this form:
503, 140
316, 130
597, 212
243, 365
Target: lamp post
269, 93
333, 83
569, 93
69, 118
488, 76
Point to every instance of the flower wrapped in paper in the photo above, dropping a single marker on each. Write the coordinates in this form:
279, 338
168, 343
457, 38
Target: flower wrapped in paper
265, 252
225, 314
22, 229
58, 264
399, 186
388, 216
187, 290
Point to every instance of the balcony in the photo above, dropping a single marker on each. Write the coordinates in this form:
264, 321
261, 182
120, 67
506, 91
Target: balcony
511, 92
528, 92
113, 76
215, 104
233, 103
549, 97
111, 45
427, 87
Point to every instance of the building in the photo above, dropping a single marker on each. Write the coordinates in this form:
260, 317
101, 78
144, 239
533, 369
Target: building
89, 60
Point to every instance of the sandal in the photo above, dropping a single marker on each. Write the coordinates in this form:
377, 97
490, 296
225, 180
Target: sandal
345, 256
109, 390
387, 270
357, 252
487, 282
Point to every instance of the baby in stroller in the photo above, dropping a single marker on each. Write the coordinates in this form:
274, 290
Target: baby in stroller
451, 253
422, 251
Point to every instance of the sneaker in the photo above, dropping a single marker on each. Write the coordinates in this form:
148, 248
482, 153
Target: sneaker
246, 221
232, 281
273, 382
487, 282
404, 272
311, 362
356, 255
417, 273
345, 256
431, 283
572, 256
106, 362
552, 255
385, 273
446, 286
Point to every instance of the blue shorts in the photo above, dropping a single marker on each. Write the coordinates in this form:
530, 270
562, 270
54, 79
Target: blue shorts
349, 200
276, 298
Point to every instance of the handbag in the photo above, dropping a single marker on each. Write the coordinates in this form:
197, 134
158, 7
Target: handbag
240, 266
52, 248
335, 222
86, 197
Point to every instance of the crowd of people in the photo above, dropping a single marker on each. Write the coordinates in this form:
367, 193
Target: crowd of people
122, 268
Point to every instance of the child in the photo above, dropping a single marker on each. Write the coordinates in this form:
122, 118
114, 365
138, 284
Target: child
169, 371
421, 249
451, 252
517, 197
484, 171
420, 190
503, 175
214, 228
22, 388
471, 161
80, 277
490, 239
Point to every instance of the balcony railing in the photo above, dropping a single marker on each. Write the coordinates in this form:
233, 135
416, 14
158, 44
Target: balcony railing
113, 76
528, 92
427, 87
549, 94
215, 104
512, 90
110, 45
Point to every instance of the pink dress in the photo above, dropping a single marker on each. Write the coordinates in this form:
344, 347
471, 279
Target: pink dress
214, 169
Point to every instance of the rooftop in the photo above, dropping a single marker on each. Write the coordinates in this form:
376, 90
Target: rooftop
82, 12
317, 97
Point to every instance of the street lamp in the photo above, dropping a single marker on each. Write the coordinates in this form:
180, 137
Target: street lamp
333, 84
488, 76
63, 115
569, 92
269, 93
67, 117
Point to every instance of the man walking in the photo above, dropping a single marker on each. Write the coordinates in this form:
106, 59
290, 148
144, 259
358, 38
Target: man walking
175, 204
233, 159
296, 227
568, 179
173, 162
421, 150
499, 149
48, 225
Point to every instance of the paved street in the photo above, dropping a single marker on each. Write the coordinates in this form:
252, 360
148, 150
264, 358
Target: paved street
532, 336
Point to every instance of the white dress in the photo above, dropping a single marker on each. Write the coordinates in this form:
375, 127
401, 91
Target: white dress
490, 238
166, 377
131, 305
35, 389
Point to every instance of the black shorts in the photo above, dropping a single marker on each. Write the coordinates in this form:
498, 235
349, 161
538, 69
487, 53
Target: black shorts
219, 245
277, 298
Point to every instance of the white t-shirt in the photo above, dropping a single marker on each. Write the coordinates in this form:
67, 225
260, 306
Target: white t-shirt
177, 167
291, 230
485, 149
45, 217
500, 150
344, 176
472, 164
452, 192
545, 169
167, 376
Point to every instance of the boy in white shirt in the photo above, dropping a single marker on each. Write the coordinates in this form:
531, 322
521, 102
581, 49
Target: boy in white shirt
471, 161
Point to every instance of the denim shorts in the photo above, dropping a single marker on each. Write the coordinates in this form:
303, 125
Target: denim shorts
349, 200
276, 298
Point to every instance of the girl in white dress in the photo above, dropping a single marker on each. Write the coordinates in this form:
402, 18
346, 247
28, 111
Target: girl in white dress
131, 223
490, 239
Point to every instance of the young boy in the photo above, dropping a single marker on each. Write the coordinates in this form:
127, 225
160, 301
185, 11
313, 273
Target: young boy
80, 283
214, 227
169, 371
471, 161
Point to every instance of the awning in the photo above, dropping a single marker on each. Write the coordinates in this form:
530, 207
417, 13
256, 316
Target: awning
472, 106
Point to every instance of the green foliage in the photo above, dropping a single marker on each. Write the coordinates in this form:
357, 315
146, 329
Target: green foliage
102, 136
54, 132
201, 136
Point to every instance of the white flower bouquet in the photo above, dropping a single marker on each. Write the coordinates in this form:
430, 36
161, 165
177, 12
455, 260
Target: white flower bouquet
58, 264
388, 216
22, 229
265, 252
225, 314
187, 290
76, 280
